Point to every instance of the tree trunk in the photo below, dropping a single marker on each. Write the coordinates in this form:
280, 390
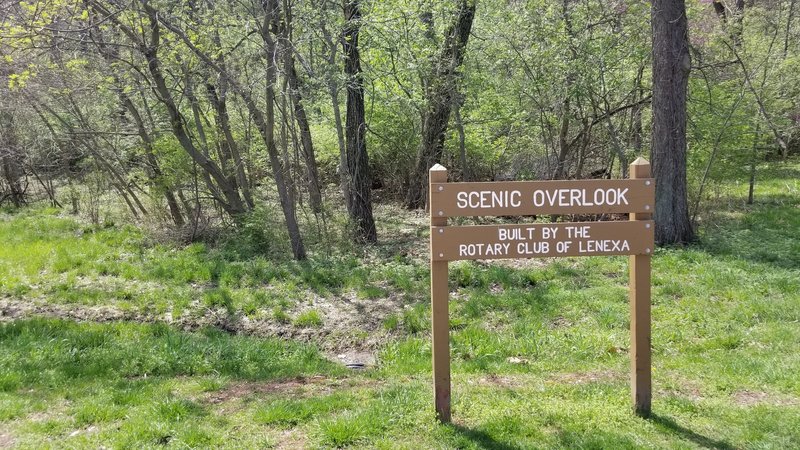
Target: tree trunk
309, 157
636, 113
563, 142
671, 65
443, 86
753, 165
358, 174
462, 145
11, 159
266, 126
344, 179
154, 170
333, 91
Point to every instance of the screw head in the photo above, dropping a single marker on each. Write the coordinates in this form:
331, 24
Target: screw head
441, 213
647, 225
441, 188
441, 255
441, 230
647, 250
647, 183
647, 207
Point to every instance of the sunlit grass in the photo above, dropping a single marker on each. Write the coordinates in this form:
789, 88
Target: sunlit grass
539, 352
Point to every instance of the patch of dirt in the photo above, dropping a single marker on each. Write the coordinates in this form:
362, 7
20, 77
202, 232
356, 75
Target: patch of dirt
301, 386
291, 440
561, 322
240, 390
501, 381
349, 324
757, 398
600, 376
355, 358
11, 309
6, 440
688, 389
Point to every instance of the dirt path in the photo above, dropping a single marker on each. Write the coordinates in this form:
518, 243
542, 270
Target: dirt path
352, 328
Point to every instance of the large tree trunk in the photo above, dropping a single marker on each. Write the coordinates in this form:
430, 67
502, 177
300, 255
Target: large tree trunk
359, 180
671, 65
443, 86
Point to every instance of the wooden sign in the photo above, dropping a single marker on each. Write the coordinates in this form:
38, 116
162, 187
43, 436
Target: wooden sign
528, 198
539, 240
635, 238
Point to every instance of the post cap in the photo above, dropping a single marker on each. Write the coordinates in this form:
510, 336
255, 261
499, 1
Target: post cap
438, 167
640, 162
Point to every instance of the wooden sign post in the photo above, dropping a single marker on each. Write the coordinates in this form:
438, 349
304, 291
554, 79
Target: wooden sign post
635, 237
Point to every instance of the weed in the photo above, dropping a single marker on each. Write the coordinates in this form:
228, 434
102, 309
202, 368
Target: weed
308, 318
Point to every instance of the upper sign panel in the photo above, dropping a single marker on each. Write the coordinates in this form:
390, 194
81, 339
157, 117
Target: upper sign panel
527, 198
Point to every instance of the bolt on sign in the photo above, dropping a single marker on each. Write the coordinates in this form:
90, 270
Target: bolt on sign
635, 238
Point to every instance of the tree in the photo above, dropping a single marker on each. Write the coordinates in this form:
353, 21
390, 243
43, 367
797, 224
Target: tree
360, 183
671, 64
442, 91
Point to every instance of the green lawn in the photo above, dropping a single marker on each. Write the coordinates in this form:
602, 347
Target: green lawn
539, 350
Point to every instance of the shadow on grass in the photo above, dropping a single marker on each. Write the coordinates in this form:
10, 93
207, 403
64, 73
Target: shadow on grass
481, 438
765, 234
669, 425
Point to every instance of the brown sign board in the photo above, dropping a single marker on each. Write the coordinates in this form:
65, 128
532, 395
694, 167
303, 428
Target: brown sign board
528, 198
539, 240
634, 237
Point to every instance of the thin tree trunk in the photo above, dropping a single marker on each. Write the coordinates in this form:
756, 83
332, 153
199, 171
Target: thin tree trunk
309, 158
462, 144
760, 102
722, 131
220, 105
636, 113
11, 159
563, 142
266, 126
787, 33
48, 188
344, 179
333, 91
154, 172
753, 164
314, 191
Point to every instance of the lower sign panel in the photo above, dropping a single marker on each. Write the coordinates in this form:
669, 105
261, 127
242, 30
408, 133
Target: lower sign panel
540, 240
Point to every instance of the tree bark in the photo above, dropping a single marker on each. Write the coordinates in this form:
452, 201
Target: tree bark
358, 173
462, 144
442, 90
753, 164
11, 160
309, 157
333, 91
671, 64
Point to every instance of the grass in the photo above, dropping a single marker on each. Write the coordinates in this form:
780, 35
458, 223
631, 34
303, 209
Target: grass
539, 351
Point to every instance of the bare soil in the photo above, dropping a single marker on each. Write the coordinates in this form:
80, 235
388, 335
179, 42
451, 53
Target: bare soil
351, 326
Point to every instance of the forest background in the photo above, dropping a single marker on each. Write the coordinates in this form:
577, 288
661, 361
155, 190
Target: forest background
276, 117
